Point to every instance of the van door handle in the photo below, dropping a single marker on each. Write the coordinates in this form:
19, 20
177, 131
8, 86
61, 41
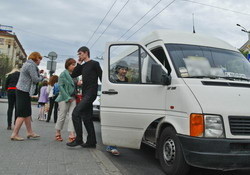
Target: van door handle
110, 92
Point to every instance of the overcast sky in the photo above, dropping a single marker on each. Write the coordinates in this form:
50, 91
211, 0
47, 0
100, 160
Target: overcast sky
63, 26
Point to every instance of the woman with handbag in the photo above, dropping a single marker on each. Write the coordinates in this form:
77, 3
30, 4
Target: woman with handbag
26, 87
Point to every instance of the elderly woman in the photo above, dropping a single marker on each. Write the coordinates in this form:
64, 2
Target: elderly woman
26, 87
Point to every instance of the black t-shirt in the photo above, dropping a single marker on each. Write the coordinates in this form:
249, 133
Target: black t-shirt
90, 72
12, 80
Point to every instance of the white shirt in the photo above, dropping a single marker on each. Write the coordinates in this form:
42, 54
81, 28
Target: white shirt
50, 90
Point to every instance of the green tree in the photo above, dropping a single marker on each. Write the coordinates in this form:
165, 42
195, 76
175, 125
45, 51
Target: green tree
5, 67
245, 53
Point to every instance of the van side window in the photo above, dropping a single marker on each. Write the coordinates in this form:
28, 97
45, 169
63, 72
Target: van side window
161, 56
146, 64
124, 64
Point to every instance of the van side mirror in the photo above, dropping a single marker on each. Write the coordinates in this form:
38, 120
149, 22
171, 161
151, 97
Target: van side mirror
158, 76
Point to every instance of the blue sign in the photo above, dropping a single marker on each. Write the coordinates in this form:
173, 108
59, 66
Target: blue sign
6, 28
248, 57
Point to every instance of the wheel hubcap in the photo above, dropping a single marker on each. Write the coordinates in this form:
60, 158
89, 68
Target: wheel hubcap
169, 151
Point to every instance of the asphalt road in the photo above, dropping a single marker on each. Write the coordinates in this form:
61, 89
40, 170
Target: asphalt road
135, 162
143, 162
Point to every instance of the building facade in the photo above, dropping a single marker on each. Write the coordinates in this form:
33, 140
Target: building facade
12, 48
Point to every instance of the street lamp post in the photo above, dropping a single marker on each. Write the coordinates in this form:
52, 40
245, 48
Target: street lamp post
243, 29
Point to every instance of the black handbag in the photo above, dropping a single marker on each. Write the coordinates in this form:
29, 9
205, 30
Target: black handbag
36, 90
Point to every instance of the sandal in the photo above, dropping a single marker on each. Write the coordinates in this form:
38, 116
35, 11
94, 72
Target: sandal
59, 138
71, 139
33, 136
113, 150
17, 138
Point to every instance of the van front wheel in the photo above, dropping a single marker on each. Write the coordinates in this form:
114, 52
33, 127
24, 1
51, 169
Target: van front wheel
170, 153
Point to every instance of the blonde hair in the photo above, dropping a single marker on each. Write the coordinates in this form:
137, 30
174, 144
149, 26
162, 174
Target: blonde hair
13, 70
35, 56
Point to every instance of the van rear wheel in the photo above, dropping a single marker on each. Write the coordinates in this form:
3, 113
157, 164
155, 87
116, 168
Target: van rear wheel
170, 153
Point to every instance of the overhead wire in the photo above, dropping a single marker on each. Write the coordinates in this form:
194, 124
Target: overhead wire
221, 8
152, 18
139, 19
101, 22
110, 23
43, 36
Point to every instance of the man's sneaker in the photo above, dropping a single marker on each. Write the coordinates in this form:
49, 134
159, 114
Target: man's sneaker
113, 150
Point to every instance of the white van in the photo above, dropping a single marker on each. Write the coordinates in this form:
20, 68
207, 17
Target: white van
187, 95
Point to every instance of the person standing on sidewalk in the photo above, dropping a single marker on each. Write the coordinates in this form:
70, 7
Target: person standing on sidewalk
53, 93
10, 86
43, 99
66, 100
26, 86
90, 72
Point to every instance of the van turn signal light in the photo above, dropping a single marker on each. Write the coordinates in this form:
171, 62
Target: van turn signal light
196, 125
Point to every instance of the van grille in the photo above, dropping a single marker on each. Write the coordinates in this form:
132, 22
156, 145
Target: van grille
239, 125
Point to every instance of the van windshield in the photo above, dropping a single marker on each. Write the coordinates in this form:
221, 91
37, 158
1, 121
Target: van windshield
192, 61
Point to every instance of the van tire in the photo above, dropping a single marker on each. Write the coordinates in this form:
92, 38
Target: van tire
170, 153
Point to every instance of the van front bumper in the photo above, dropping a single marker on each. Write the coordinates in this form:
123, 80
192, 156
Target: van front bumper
212, 153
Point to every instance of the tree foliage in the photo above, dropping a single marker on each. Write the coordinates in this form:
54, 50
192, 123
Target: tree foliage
5, 67
245, 53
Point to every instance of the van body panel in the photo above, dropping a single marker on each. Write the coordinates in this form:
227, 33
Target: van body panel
133, 110
127, 114
222, 100
178, 37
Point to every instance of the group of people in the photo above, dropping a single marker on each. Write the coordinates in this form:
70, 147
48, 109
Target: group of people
60, 92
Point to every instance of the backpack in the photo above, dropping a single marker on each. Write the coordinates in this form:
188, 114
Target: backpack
56, 89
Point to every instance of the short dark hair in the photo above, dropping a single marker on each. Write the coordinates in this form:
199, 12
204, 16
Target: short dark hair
84, 49
69, 61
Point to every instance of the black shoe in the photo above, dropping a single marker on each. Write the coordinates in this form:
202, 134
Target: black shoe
9, 128
74, 143
86, 145
47, 121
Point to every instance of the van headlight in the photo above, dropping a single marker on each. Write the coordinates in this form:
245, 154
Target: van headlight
213, 126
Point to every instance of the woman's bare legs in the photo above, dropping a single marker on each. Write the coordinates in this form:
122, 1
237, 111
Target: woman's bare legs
18, 124
27, 122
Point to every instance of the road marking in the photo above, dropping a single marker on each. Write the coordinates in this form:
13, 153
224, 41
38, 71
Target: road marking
103, 161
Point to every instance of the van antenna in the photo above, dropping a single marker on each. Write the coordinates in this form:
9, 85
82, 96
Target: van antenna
193, 24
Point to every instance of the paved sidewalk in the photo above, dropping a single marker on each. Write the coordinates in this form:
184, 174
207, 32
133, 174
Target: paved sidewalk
45, 155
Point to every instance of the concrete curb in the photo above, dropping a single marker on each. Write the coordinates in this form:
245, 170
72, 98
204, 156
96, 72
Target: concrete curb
105, 164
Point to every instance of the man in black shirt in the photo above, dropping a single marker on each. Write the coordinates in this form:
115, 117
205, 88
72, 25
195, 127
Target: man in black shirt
90, 72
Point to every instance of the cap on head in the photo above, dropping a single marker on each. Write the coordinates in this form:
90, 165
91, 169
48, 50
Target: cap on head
121, 64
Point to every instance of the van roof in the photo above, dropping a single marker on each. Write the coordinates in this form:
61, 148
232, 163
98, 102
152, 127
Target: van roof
177, 37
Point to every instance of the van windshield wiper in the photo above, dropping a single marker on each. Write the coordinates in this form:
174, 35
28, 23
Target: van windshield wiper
203, 76
218, 77
236, 78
